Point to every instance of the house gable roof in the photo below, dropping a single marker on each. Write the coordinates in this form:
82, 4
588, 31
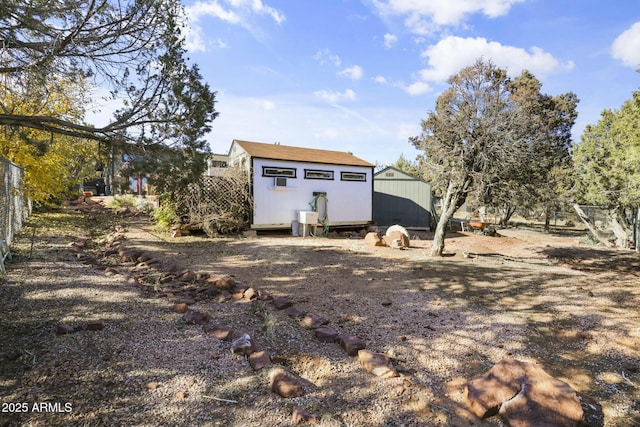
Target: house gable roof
400, 174
298, 154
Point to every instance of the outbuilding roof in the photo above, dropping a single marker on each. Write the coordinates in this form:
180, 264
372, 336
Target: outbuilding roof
298, 154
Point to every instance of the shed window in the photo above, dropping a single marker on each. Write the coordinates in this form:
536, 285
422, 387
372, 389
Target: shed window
353, 176
275, 171
317, 174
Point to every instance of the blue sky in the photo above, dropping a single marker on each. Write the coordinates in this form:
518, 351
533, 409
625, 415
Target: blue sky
359, 75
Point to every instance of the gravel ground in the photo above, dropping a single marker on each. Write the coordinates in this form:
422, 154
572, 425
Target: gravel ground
532, 296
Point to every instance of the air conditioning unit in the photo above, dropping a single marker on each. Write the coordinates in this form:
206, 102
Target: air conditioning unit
280, 181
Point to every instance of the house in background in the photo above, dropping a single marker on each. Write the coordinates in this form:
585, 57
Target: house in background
286, 180
399, 198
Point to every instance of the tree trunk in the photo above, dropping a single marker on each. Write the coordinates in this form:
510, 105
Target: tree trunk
590, 226
547, 220
449, 207
620, 228
507, 214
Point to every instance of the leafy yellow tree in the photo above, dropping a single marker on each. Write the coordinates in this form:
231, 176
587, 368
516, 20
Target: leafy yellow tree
53, 163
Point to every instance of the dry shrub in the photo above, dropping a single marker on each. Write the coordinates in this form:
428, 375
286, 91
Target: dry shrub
219, 204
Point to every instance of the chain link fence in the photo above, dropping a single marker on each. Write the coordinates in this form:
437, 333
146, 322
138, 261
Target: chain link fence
14, 206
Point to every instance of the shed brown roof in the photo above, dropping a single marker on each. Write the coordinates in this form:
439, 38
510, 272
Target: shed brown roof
299, 154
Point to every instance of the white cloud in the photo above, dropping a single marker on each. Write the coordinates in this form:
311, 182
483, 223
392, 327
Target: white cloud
424, 17
380, 79
258, 7
324, 56
626, 46
211, 8
417, 88
236, 12
354, 73
265, 104
452, 53
335, 97
390, 40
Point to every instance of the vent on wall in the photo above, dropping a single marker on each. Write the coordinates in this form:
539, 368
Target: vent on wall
280, 181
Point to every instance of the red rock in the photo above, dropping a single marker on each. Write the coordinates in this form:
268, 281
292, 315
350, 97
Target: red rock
238, 294
144, 256
376, 364
224, 296
326, 334
524, 395
95, 325
223, 333
313, 321
186, 275
394, 236
194, 317
285, 383
180, 308
373, 239
350, 344
281, 303
294, 312
64, 328
259, 359
300, 416
249, 294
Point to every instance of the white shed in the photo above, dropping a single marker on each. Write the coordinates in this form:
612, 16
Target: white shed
286, 180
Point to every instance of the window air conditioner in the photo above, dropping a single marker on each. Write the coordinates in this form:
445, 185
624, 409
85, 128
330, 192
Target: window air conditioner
280, 181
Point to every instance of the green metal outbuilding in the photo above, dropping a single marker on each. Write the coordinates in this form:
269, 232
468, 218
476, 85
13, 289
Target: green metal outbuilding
399, 198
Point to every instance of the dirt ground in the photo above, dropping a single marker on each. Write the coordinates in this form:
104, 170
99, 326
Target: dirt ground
536, 297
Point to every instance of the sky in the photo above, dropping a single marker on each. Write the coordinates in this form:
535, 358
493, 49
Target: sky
360, 75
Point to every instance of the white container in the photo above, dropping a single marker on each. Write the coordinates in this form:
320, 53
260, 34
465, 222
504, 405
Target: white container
308, 217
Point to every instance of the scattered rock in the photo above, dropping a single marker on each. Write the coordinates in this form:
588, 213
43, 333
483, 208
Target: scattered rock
376, 363
238, 294
285, 383
396, 239
350, 344
313, 321
373, 239
222, 333
186, 275
281, 303
326, 334
524, 395
224, 296
194, 317
294, 313
242, 345
180, 308
152, 386
95, 325
300, 416
182, 395
64, 328
224, 283
250, 294
259, 359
